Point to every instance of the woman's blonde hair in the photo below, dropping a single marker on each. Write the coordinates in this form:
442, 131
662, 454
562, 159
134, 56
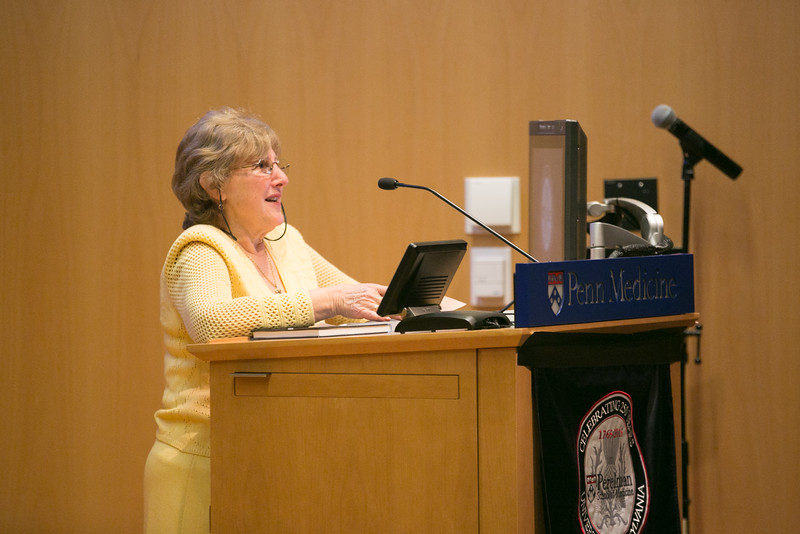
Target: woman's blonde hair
215, 145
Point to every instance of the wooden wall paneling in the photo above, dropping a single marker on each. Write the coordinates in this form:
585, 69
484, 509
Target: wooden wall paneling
97, 95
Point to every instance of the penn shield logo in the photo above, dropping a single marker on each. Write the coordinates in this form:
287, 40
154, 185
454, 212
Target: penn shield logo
555, 290
614, 491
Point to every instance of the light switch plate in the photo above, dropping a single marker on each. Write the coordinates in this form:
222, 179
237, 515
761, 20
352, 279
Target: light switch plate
490, 276
494, 202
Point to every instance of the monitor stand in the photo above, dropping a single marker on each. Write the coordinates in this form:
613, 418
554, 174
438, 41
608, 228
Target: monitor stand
452, 320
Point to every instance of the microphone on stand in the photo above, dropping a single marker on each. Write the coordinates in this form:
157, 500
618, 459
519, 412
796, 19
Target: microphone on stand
692, 142
390, 184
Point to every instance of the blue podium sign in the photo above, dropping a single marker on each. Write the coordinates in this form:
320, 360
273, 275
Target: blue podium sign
585, 291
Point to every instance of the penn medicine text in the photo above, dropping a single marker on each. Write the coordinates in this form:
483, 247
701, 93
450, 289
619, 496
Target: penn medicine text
621, 288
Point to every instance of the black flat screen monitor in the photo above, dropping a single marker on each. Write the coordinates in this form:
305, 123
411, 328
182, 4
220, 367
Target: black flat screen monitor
422, 277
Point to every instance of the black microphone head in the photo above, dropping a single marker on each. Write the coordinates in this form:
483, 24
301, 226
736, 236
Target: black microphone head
387, 183
663, 116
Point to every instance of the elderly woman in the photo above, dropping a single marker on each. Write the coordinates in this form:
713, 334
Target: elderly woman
237, 266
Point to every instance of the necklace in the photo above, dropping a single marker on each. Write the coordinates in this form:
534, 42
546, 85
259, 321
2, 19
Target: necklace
271, 278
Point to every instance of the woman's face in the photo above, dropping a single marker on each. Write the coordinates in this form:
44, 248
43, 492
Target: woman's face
252, 197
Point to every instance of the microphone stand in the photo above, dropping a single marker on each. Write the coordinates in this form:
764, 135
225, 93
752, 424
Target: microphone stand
687, 175
391, 183
470, 217
689, 161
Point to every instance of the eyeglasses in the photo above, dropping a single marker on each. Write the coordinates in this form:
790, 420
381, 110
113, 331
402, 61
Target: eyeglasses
264, 166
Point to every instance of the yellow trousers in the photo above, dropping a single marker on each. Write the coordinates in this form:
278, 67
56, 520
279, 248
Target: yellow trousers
177, 491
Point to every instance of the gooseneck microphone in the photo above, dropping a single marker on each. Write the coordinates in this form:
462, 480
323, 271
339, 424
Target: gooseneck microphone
692, 142
390, 184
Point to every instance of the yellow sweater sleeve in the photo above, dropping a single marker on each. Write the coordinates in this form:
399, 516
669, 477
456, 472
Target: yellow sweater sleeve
327, 274
202, 290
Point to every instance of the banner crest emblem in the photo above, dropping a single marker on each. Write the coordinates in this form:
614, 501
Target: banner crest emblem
613, 486
555, 290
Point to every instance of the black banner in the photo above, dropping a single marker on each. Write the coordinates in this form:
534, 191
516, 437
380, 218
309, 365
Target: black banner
606, 433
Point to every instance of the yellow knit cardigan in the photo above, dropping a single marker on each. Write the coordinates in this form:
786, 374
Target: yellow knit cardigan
210, 289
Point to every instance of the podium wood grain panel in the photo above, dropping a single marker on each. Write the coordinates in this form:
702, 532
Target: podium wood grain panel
347, 458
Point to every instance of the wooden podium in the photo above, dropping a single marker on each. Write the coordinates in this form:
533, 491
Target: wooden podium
417, 432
